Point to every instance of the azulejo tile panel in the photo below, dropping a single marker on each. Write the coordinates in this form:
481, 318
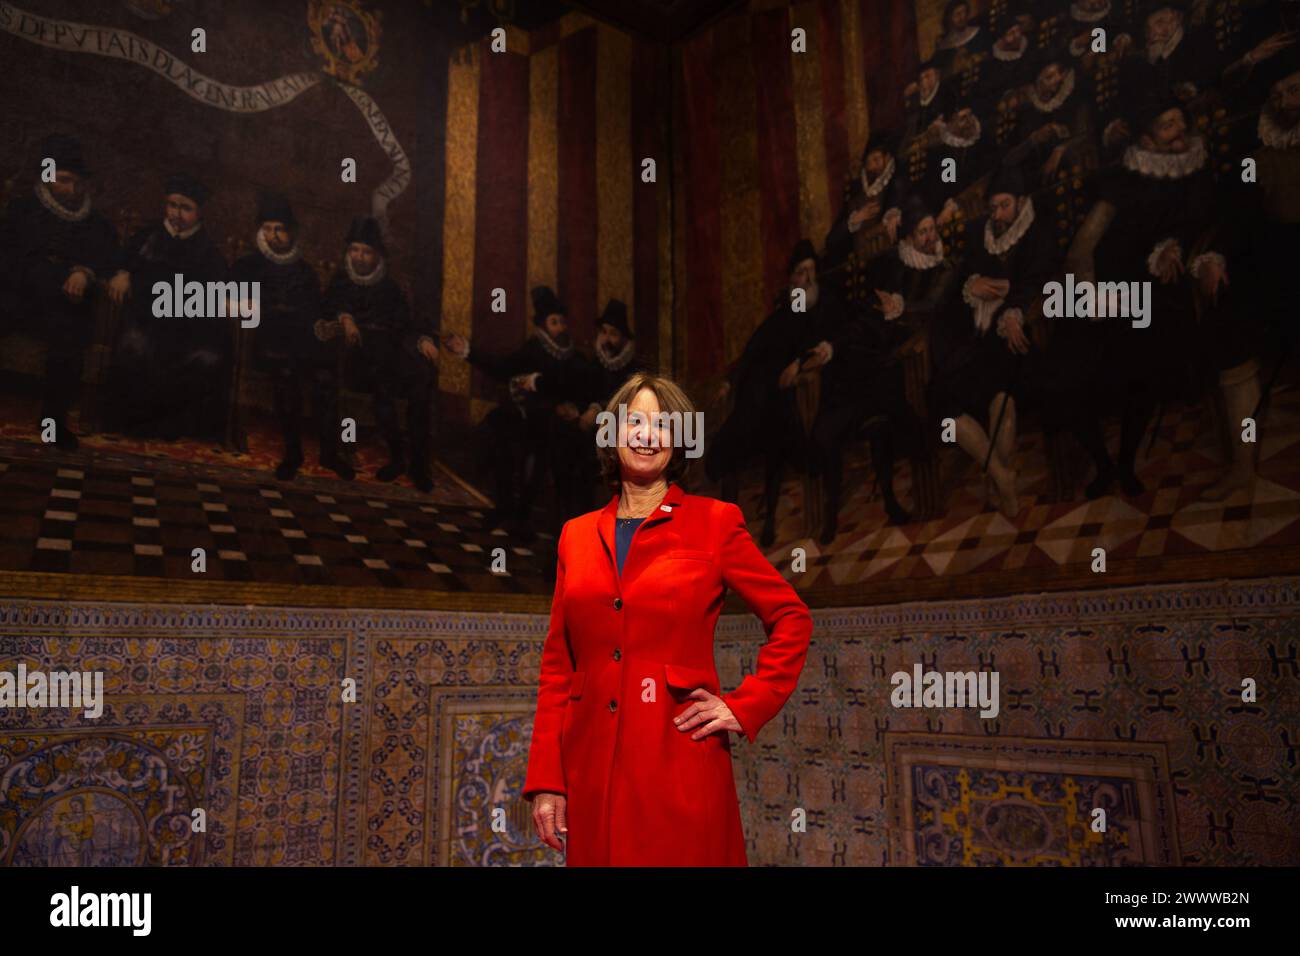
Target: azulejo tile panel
958, 800
125, 792
317, 737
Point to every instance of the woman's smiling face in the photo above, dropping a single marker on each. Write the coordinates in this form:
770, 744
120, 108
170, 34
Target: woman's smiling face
643, 449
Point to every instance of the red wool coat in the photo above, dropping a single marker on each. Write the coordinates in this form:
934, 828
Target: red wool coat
620, 657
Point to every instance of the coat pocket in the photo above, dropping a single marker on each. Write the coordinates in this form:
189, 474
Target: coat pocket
689, 678
688, 555
576, 683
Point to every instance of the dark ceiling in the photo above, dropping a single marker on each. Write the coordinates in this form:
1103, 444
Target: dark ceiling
667, 21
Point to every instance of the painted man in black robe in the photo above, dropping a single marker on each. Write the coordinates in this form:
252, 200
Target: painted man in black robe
1174, 57
864, 379
765, 418
549, 381
390, 355
963, 40
1151, 223
616, 357
1266, 223
915, 282
613, 362
1008, 62
928, 100
1010, 256
874, 195
1055, 128
53, 247
286, 345
171, 375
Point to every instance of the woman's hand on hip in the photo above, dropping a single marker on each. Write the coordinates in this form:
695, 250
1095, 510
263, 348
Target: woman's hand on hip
551, 816
710, 711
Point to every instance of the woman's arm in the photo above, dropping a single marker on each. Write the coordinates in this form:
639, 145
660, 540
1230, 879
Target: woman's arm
545, 768
785, 617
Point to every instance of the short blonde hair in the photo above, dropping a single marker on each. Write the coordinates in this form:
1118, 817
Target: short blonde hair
672, 399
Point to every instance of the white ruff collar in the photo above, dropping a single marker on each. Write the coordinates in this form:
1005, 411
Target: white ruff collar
1015, 232
1275, 136
951, 41
877, 187
1147, 162
914, 258
279, 258
376, 275
927, 100
958, 141
551, 346
58, 209
1165, 50
1083, 16
619, 361
1062, 94
181, 233
1005, 57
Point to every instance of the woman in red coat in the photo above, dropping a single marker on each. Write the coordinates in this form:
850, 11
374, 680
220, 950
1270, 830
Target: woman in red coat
631, 752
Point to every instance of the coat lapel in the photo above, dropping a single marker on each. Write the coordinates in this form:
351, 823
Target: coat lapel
664, 513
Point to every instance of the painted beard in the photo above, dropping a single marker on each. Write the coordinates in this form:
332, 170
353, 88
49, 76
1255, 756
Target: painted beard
610, 348
562, 340
1179, 145
999, 227
810, 295
69, 201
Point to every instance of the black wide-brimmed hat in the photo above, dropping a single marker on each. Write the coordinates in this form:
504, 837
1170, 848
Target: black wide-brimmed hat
1043, 57
366, 229
1275, 69
65, 150
615, 314
546, 302
885, 140
1008, 179
187, 186
915, 210
952, 5
1147, 7
1150, 105
274, 207
803, 249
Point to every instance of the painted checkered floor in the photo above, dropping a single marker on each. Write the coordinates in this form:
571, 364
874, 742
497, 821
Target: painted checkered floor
88, 513
1169, 519
95, 512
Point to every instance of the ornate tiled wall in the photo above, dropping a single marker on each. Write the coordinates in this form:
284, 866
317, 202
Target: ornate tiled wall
1125, 699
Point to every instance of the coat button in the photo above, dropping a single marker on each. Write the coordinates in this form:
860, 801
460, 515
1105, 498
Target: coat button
618, 655
618, 604
613, 706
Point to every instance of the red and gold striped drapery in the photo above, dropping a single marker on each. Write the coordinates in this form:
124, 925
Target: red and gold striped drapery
544, 146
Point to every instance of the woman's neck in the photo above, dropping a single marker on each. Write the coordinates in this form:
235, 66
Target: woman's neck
639, 500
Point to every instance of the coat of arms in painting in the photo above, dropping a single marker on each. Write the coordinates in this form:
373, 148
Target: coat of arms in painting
346, 36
